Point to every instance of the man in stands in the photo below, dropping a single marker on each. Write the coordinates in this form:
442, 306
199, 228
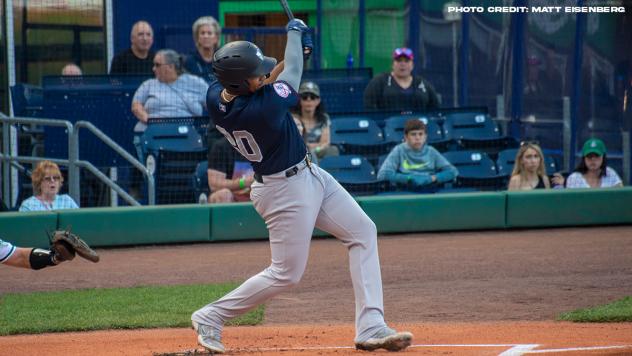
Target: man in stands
139, 58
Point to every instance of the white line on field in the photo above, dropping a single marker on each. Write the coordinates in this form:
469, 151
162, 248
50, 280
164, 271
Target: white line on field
589, 348
518, 350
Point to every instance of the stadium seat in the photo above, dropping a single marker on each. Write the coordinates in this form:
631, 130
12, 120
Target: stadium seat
359, 136
353, 172
475, 130
173, 148
394, 130
200, 182
341, 89
27, 100
476, 170
506, 161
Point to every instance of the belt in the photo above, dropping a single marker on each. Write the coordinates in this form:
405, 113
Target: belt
306, 162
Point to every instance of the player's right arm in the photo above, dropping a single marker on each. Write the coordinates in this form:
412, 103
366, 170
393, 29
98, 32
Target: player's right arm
274, 75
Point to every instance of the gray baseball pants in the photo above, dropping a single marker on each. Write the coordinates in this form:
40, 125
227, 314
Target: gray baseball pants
291, 207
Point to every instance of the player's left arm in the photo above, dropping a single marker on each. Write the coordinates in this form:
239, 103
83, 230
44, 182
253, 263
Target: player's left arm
293, 67
19, 258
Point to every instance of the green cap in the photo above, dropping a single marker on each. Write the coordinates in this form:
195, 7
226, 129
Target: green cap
594, 145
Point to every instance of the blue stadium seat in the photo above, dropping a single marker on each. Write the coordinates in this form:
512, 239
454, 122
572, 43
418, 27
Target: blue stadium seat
341, 89
475, 130
353, 172
199, 182
506, 161
394, 130
173, 148
27, 100
476, 170
359, 136
548, 134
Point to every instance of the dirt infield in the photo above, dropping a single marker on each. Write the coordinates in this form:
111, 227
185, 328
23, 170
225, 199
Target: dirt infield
465, 293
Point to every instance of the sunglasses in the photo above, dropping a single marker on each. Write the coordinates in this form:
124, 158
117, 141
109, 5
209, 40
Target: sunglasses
524, 143
309, 96
52, 179
403, 52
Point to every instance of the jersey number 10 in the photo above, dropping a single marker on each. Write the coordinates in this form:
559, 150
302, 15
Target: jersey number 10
239, 140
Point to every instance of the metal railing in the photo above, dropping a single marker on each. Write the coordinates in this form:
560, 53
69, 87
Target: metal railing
151, 188
73, 163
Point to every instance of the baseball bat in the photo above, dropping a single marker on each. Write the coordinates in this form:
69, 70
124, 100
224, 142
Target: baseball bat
287, 9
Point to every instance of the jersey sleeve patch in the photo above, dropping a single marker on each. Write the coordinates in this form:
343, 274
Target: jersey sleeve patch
282, 89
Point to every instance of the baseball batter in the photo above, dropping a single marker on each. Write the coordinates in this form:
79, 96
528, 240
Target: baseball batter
251, 108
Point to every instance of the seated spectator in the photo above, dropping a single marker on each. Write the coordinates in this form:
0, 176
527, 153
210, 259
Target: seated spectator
400, 89
171, 94
138, 59
593, 170
229, 178
315, 121
206, 34
71, 69
414, 163
529, 171
47, 181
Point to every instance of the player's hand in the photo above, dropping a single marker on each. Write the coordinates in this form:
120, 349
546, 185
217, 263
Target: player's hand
297, 25
308, 45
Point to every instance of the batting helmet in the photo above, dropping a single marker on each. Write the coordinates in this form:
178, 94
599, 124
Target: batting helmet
237, 61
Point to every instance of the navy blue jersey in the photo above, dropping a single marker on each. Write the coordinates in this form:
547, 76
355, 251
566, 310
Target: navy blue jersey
260, 126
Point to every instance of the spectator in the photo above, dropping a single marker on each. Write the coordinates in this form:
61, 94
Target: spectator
71, 69
415, 163
315, 121
224, 162
399, 89
529, 171
47, 180
33, 258
138, 59
206, 34
171, 94
593, 170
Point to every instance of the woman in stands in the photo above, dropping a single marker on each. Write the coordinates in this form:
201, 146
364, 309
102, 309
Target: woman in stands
310, 111
593, 170
206, 34
529, 172
47, 181
172, 93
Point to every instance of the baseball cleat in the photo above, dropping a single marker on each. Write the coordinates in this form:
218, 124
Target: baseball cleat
387, 339
209, 338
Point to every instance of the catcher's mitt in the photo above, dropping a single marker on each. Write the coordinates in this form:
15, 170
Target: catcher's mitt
65, 244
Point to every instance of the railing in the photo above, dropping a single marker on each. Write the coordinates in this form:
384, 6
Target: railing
73, 163
151, 195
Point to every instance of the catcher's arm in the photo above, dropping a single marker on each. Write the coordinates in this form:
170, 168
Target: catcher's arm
34, 258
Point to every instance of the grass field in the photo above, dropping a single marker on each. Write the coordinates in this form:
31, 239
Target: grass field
115, 308
618, 311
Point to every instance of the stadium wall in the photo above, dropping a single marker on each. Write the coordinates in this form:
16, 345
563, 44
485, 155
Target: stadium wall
103, 227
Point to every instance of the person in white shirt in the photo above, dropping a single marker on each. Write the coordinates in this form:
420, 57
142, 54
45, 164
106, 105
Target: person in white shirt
593, 170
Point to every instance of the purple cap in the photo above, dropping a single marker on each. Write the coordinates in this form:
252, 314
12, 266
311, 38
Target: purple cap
403, 52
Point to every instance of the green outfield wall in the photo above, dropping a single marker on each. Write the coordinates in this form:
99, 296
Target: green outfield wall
392, 214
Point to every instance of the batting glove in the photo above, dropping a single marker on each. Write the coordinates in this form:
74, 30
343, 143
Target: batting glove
296, 25
308, 45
